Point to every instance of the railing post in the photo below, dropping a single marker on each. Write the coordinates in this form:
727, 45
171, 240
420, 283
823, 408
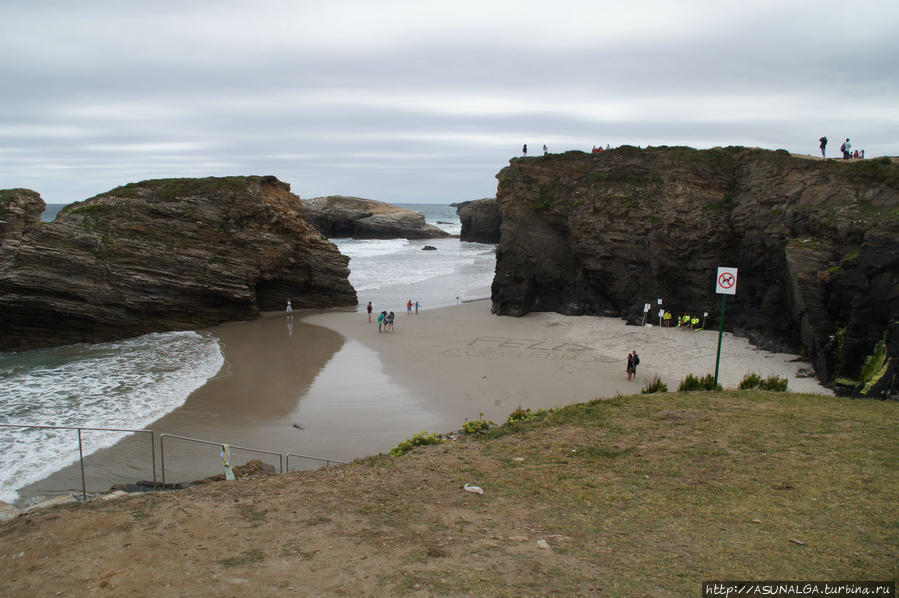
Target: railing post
162, 457
81, 458
153, 452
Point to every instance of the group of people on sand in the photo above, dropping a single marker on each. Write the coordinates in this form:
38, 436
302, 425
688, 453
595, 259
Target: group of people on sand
845, 147
387, 321
633, 360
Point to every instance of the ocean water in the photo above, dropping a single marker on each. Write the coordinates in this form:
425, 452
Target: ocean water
133, 383
126, 384
391, 272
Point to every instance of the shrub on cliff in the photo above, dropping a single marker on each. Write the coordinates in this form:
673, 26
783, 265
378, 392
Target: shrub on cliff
691, 383
420, 439
654, 385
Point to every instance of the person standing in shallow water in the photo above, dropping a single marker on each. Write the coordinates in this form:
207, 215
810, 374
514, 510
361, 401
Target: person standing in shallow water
368, 309
289, 309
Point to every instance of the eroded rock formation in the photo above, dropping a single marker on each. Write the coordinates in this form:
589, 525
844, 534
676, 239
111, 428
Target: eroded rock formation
168, 254
20, 209
339, 216
481, 220
816, 243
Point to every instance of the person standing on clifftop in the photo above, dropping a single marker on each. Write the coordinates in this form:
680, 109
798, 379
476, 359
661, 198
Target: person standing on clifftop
823, 145
524, 150
544, 149
846, 147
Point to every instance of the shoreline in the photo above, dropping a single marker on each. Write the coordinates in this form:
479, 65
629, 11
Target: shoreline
326, 383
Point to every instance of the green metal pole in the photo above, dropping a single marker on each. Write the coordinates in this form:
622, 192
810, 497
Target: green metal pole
720, 333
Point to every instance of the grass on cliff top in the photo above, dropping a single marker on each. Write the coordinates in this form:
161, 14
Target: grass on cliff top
634, 496
171, 189
659, 492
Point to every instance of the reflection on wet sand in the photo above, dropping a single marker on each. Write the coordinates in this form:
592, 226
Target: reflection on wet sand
269, 365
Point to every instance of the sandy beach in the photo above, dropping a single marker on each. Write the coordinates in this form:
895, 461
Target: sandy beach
462, 360
328, 384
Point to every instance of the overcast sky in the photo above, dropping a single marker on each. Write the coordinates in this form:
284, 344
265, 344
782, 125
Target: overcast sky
423, 101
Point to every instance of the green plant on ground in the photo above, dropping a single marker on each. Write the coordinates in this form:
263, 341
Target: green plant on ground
875, 366
520, 415
655, 384
691, 383
750, 381
774, 383
477, 426
421, 439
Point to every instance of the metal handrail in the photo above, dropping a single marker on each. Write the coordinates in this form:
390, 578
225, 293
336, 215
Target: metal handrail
327, 461
162, 437
81, 450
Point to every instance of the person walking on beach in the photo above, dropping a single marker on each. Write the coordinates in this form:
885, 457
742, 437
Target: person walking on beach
381, 317
630, 366
409, 307
368, 309
390, 318
417, 305
823, 145
289, 309
636, 359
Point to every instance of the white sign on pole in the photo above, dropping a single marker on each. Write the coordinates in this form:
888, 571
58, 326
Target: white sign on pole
726, 283
659, 301
646, 307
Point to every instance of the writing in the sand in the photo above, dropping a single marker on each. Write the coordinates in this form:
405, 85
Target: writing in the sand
525, 343
483, 346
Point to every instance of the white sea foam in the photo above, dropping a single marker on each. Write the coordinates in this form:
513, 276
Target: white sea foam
125, 384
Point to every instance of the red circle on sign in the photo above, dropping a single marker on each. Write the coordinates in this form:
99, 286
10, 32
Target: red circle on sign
726, 280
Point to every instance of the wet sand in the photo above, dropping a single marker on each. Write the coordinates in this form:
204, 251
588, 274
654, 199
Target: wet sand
328, 384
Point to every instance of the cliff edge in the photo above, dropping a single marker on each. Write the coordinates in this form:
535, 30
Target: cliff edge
169, 254
816, 243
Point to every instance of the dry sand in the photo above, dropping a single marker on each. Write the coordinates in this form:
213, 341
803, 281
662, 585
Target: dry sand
463, 360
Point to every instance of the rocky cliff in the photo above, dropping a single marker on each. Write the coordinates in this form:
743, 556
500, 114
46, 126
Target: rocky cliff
19, 209
339, 216
481, 220
161, 255
816, 243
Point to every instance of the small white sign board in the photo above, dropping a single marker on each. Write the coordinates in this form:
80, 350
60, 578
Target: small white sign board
726, 282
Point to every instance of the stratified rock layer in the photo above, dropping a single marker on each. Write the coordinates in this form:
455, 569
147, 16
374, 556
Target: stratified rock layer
161, 255
816, 243
481, 220
20, 209
339, 216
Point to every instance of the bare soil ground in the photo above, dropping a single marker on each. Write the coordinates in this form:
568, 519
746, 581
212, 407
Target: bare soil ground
633, 496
